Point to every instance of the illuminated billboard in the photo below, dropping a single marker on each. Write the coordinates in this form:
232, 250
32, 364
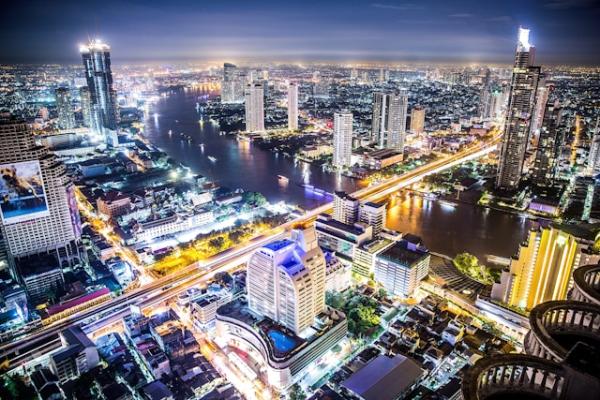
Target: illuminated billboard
22, 195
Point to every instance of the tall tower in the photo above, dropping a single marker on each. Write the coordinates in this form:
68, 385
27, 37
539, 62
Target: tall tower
232, 86
546, 156
292, 98
389, 119
255, 108
66, 117
521, 105
38, 208
103, 97
594, 156
342, 139
286, 280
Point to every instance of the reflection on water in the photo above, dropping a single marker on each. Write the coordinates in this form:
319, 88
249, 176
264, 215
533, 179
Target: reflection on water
453, 228
445, 228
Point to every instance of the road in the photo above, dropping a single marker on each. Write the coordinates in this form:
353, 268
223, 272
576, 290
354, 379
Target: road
37, 343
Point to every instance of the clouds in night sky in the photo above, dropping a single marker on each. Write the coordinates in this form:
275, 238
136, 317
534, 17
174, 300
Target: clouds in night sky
564, 31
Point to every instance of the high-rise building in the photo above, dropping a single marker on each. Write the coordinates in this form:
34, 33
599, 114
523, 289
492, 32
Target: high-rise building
401, 267
86, 105
292, 98
374, 215
389, 119
541, 101
593, 164
255, 108
543, 268
342, 139
103, 97
345, 208
521, 106
549, 144
66, 117
417, 120
39, 212
232, 86
286, 280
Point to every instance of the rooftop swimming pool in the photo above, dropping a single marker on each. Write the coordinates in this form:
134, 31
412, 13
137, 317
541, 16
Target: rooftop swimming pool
281, 342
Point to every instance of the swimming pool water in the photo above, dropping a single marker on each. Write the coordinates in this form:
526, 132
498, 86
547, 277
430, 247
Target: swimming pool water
281, 341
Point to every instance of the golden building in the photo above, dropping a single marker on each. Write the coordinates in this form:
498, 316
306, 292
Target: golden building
543, 268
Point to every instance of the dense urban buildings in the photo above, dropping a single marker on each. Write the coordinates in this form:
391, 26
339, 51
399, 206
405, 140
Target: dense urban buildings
521, 105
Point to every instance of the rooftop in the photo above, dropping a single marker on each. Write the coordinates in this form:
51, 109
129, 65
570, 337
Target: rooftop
403, 253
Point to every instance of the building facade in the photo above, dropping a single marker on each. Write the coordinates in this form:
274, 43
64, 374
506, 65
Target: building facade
66, 117
342, 140
389, 119
401, 267
417, 120
520, 110
255, 108
549, 145
292, 99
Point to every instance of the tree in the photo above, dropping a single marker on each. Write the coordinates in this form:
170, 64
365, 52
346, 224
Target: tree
297, 393
334, 300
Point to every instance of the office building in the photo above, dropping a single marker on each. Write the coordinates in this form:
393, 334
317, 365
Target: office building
342, 139
543, 267
41, 275
232, 86
417, 120
401, 267
47, 218
86, 105
523, 89
389, 119
66, 117
593, 164
284, 323
292, 98
541, 102
373, 215
77, 356
286, 280
255, 108
341, 238
103, 97
549, 145
345, 208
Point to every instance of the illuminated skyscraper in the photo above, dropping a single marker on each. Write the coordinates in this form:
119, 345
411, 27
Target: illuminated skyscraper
103, 97
544, 265
232, 86
342, 139
389, 119
39, 212
417, 120
66, 117
255, 108
549, 144
86, 105
521, 105
286, 280
292, 98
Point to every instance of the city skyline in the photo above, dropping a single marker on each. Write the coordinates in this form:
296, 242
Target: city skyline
464, 31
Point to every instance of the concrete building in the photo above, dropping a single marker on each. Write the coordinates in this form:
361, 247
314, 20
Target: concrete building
521, 106
64, 108
292, 100
286, 280
232, 85
549, 145
345, 208
542, 270
40, 275
86, 105
50, 221
389, 119
77, 355
401, 267
365, 255
113, 204
342, 140
373, 215
343, 239
417, 120
593, 164
255, 107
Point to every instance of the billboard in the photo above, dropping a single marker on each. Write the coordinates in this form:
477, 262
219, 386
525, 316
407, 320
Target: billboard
22, 195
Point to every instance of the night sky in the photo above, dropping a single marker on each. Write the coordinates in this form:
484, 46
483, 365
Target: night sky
564, 31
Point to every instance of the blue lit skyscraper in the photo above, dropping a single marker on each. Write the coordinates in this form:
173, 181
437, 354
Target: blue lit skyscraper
103, 98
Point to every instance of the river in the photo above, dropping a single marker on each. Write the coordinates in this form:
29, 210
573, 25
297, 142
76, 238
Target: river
444, 228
